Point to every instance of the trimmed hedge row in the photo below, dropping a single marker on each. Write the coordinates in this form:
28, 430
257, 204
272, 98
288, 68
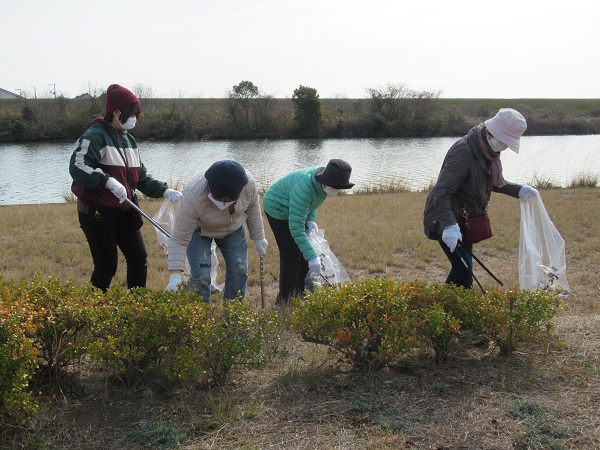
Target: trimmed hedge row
374, 322
142, 335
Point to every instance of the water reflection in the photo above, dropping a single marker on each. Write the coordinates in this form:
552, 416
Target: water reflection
38, 172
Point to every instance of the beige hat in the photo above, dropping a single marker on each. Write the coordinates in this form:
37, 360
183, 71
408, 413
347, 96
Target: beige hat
507, 126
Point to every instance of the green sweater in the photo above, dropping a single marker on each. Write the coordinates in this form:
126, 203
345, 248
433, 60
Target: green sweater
295, 198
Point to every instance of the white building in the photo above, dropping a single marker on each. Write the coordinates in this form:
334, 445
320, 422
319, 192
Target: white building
7, 94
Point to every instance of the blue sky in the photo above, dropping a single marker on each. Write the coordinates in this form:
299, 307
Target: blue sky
197, 48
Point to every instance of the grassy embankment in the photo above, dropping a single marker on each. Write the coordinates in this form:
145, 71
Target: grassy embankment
198, 118
304, 400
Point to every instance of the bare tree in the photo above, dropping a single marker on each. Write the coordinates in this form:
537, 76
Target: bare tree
389, 101
142, 91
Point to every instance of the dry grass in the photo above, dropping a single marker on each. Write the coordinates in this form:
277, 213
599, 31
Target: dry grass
307, 399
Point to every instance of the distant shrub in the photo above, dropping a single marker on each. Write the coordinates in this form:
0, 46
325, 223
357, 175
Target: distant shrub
584, 180
544, 183
393, 186
308, 114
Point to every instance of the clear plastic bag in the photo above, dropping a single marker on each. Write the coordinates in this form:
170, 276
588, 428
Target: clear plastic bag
332, 271
542, 260
165, 217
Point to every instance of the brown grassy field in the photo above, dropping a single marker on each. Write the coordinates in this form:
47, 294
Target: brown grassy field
307, 399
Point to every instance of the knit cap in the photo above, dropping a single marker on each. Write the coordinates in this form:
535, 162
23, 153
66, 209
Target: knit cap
118, 97
226, 179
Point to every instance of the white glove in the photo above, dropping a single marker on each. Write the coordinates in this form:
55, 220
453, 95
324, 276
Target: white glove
174, 282
311, 227
172, 195
451, 235
526, 192
314, 264
117, 188
261, 246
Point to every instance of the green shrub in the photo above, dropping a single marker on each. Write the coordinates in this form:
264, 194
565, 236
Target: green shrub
145, 333
141, 332
62, 316
510, 317
367, 322
308, 114
18, 362
231, 334
372, 322
435, 309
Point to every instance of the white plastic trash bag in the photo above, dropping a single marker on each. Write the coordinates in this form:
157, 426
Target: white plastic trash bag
331, 269
165, 217
542, 261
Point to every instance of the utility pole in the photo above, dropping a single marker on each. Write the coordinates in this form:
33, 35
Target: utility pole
53, 88
20, 90
34, 92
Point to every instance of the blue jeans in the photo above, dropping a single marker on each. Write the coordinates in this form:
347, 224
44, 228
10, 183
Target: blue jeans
234, 249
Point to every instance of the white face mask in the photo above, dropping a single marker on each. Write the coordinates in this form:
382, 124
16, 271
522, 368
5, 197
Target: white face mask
130, 124
496, 145
331, 192
219, 204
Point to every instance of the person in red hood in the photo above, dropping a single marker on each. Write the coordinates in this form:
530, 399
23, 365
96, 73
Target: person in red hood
106, 169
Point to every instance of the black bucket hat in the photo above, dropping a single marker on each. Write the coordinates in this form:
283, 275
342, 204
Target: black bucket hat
336, 174
226, 179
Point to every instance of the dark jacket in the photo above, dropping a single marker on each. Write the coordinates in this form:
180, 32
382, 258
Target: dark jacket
466, 172
102, 152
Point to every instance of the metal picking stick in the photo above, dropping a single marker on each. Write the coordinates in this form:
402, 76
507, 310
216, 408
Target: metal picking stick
481, 264
154, 222
262, 283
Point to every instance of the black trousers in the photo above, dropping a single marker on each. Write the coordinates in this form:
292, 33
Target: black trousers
292, 265
460, 274
105, 232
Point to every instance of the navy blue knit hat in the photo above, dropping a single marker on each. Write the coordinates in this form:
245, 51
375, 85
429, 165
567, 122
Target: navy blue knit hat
226, 179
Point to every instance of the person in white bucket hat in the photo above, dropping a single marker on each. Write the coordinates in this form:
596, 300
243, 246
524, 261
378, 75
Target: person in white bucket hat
506, 127
471, 171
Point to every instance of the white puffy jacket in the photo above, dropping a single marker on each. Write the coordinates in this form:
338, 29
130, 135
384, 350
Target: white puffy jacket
197, 212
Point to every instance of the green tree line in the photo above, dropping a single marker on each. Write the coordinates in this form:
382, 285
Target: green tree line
393, 110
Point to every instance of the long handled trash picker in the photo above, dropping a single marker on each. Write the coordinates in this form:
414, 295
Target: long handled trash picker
482, 265
154, 222
472, 274
262, 283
